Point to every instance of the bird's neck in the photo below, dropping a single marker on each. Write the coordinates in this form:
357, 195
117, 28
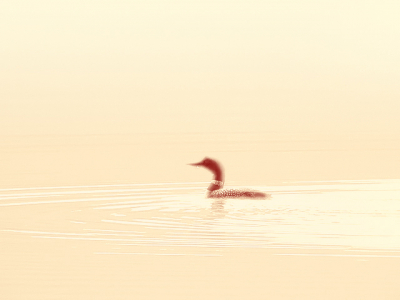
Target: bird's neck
218, 181
218, 175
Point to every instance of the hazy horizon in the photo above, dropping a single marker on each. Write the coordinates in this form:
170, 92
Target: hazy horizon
121, 67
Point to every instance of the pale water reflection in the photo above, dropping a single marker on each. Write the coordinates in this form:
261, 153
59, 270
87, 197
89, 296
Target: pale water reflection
328, 215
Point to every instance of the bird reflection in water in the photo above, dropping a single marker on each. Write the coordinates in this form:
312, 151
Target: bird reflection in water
218, 207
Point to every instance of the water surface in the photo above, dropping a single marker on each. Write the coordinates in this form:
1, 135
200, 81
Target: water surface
168, 216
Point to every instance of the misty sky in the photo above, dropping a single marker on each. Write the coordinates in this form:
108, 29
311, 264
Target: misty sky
100, 67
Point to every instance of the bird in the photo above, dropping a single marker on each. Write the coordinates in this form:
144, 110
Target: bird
215, 189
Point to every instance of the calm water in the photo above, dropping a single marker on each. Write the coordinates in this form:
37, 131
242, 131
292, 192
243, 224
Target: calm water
121, 192
169, 216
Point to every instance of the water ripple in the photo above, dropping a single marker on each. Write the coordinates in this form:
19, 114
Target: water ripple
346, 214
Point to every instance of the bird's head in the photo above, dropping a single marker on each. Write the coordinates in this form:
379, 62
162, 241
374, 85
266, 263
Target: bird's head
209, 164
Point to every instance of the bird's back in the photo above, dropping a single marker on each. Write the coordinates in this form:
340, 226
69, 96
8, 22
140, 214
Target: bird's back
236, 193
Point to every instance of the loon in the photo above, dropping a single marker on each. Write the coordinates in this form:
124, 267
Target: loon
215, 189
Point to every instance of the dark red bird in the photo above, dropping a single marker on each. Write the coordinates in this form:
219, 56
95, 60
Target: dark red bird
215, 190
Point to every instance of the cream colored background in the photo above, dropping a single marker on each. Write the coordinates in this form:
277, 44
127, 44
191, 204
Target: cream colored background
106, 67
98, 95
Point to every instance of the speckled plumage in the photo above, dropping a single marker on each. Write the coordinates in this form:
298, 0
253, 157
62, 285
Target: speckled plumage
235, 193
215, 189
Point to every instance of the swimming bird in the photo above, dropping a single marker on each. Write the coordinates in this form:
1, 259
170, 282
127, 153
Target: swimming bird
215, 189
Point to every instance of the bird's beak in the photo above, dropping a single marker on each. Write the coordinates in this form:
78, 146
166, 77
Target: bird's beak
199, 164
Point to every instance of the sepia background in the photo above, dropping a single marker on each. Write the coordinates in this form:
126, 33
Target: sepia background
83, 67
107, 99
